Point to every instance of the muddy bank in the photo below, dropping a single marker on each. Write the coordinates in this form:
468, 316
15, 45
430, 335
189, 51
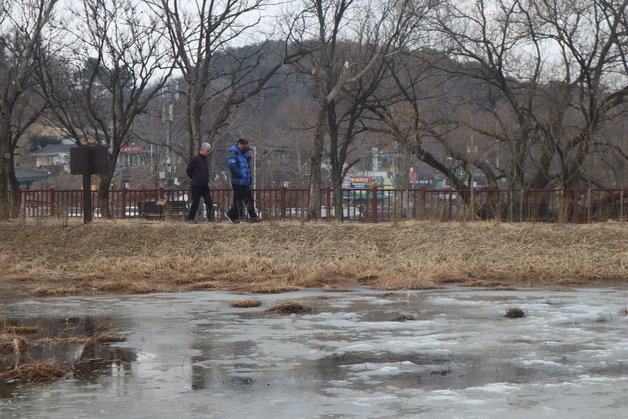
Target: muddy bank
105, 257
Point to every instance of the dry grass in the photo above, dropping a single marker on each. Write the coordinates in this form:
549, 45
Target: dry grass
36, 372
12, 344
21, 330
39, 371
133, 286
441, 372
248, 303
290, 307
277, 257
265, 288
335, 288
77, 340
6, 327
404, 317
514, 313
51, 291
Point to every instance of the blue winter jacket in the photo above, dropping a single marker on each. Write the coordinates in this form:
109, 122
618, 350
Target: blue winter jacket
239, 163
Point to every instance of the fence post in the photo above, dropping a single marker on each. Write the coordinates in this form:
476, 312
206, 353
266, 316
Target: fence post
53, 203
124, 191
522, 195
283, 202
450, 217
510, 209
589, 205
472, 212
621, 206
374, 204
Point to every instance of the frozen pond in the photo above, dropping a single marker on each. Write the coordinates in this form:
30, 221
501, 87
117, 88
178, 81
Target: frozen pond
193, 355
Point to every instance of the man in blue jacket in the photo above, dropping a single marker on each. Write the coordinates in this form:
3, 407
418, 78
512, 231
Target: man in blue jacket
198, 172
239, 162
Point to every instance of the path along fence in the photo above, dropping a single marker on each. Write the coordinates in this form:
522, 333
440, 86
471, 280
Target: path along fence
371, 205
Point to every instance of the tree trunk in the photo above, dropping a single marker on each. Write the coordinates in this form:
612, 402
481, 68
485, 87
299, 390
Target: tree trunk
4, 190
194, 123
14, 210
5, 162
103, 195
336, 181
105, 181
316, 159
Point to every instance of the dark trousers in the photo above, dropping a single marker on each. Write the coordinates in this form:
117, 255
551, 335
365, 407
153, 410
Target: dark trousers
197, 193
242, 203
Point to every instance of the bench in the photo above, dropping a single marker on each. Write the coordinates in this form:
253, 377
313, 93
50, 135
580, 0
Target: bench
162, 209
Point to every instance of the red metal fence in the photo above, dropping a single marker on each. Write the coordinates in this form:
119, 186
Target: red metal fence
539, 205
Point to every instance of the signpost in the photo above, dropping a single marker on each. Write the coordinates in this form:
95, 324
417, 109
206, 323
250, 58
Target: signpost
88, 160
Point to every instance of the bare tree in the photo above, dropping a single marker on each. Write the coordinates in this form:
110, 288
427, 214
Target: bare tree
114, 68
593, 39
350, 41
410, 115
553, 74
21, 30
218, 77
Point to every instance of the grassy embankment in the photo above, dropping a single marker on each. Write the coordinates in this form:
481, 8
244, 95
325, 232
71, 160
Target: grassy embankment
110, 257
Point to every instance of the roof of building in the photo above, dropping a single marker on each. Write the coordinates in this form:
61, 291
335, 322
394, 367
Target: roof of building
24, 174
54, 149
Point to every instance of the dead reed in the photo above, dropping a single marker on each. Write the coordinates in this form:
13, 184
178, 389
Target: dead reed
39, 371
103, 334
514, 313
36, 372
335, 288
404, 317
77, 340
442, 372
47, 291
22, 330
290, 307
12, 344
6, 327
283, 256
248, 303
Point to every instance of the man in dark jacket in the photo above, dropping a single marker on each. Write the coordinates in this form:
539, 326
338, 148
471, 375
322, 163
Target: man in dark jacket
198, 172
239, 163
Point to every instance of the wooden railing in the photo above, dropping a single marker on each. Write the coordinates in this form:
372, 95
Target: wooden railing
373, 205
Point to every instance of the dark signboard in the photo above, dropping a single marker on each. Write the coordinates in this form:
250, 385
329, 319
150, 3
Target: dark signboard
89, 160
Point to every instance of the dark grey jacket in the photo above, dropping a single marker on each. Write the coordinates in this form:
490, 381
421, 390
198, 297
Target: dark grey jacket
198, 171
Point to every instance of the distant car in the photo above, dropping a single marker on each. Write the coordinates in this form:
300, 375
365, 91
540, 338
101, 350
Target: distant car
131, 212
350, 212
78, 212
75, 212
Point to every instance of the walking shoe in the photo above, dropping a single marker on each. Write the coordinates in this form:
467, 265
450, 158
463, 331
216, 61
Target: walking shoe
234, 221
254, 220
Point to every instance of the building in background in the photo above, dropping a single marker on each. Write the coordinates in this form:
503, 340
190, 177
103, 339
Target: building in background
54, 155
26, 177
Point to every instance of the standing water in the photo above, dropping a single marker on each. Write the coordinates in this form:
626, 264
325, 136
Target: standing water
435, 353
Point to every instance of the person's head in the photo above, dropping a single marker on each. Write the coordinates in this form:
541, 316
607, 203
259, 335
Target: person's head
242, 143
205, 149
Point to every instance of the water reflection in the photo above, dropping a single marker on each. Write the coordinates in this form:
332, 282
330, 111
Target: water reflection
71, 341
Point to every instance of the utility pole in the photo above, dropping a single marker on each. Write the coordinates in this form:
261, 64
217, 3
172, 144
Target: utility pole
254, 167
171, 97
